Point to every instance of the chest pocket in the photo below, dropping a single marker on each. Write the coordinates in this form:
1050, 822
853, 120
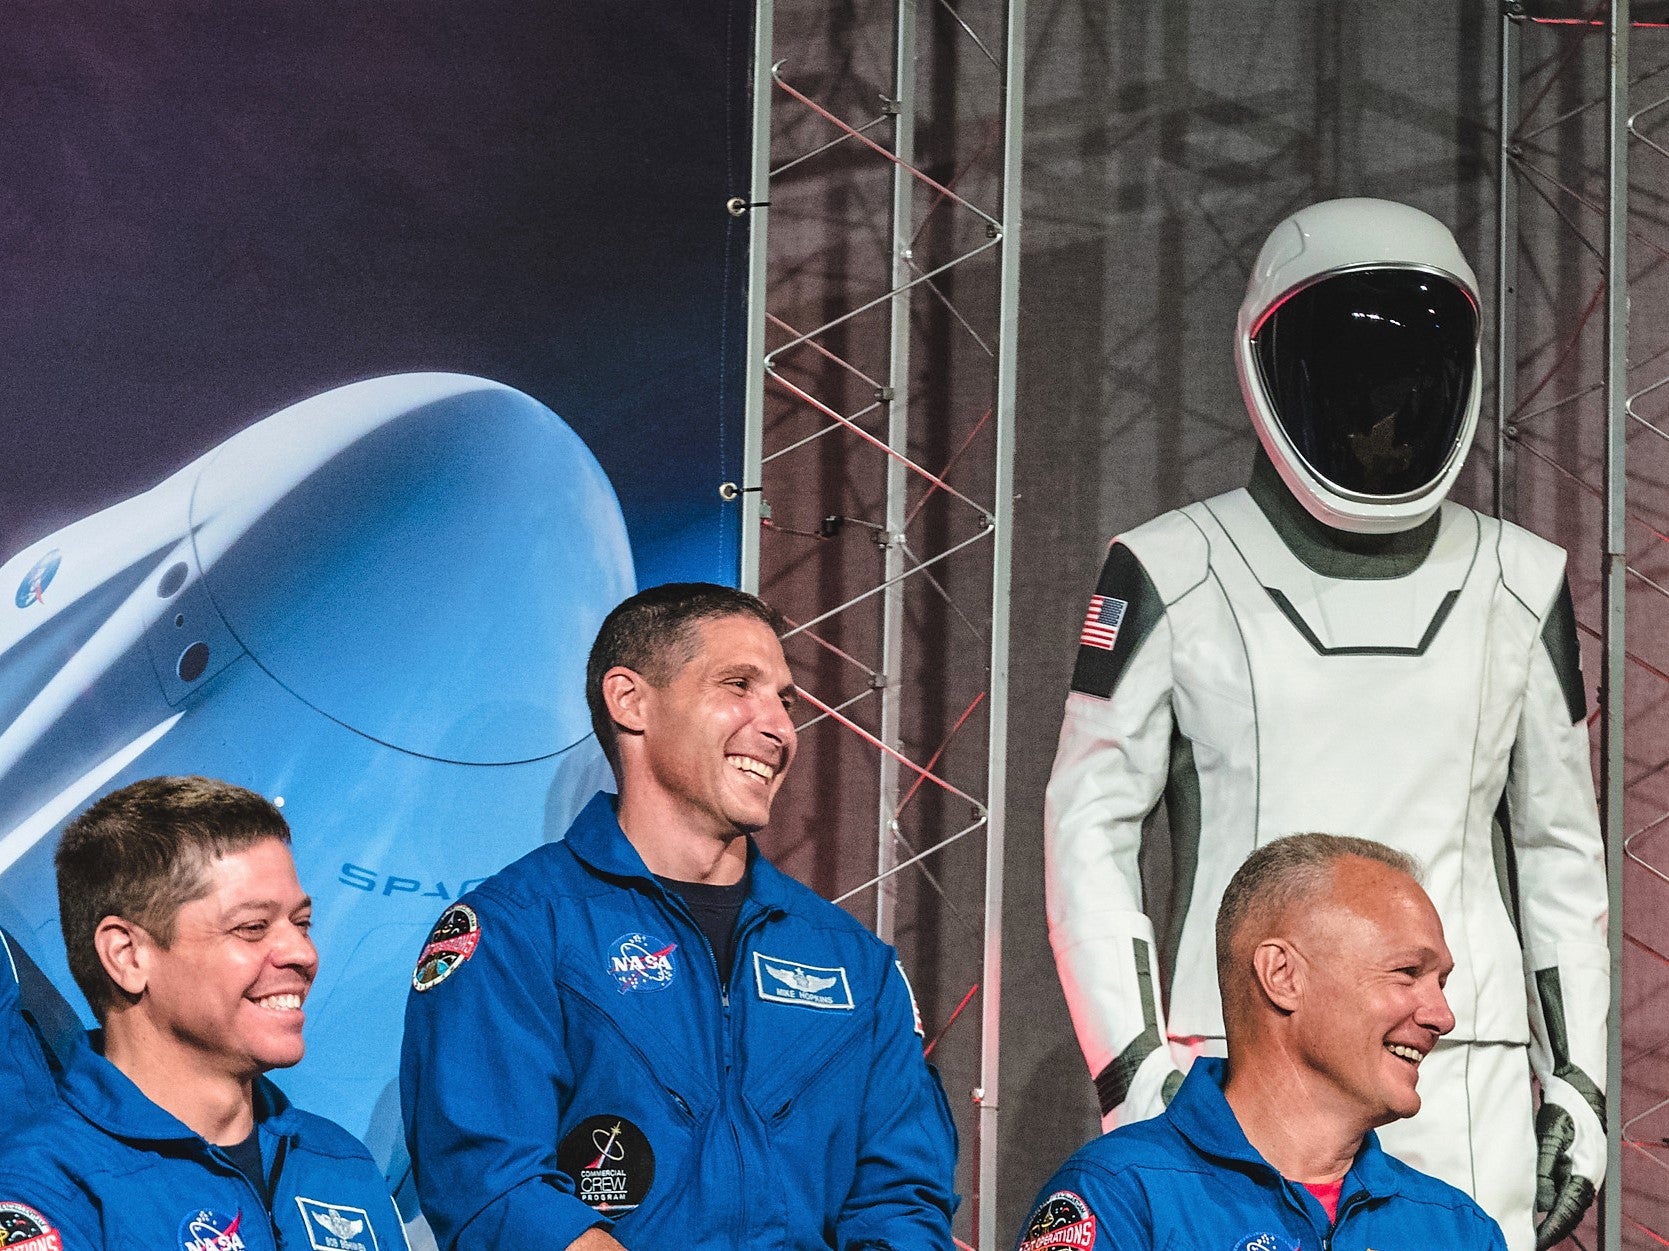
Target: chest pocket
800, 1019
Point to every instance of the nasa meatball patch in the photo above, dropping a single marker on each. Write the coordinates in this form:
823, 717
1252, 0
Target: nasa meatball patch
1062, 1222
642, 962
203, 1229
22, 1228
453, 941
611, 1163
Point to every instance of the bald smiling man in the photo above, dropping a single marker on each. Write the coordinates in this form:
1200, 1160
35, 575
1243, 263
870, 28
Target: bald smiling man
1331, 962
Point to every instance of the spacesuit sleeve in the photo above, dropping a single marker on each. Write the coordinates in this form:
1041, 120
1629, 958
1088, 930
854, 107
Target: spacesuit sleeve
1560, 867
1084, 1207
1109, 773
482, 1076
903, 1194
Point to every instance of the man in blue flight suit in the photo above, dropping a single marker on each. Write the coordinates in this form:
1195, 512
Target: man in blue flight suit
646, 1036
187, 931
1331, 963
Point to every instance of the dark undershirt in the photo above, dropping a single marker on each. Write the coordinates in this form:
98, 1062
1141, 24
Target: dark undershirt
715, 909
246, 1158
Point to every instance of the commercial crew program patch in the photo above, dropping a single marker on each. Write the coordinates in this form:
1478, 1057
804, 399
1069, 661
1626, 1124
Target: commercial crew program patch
203, 1229
610, 1161
1265, 1242
642, 962
1062, 1222
22, 1228
335, 1227
804, 985
453, 940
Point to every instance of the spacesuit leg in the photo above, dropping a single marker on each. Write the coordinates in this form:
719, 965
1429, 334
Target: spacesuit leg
1475, 1131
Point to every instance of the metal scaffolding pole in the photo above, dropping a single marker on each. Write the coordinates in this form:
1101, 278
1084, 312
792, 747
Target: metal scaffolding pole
879, 486
1506, 267
1612, 713
896, 399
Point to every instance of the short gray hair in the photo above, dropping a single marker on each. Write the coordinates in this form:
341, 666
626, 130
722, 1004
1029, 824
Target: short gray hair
1287, 871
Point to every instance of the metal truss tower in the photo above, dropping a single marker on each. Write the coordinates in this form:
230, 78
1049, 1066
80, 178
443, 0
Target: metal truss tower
878, 483
1582, 428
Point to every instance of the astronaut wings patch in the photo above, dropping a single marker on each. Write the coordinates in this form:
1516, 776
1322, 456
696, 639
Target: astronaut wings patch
804, 985
334, 1227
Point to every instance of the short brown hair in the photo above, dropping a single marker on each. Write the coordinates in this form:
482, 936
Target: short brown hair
1286, 872
142, 852
653, 633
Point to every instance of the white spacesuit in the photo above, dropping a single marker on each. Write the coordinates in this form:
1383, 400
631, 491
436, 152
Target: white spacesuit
1337, 648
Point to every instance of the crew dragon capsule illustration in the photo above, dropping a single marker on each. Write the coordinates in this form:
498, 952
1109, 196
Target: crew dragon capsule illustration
373, 607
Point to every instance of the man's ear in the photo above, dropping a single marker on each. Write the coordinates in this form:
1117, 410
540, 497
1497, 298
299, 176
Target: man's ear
123, 947
625, 692
1280, 972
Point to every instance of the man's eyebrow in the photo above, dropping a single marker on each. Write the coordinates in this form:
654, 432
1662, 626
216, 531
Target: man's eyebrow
251, 907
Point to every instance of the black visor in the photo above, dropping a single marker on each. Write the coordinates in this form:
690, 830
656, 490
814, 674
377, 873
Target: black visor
1369, 374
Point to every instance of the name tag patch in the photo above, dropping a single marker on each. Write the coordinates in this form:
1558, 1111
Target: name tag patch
804, 985
333, 1227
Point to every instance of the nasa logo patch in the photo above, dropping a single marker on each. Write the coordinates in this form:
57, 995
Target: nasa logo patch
611, 1162
804, 985
335, 1227
24, 1229
206, 1230
1062, 1222
32, 590
453, 940
1264, 1242
642, 962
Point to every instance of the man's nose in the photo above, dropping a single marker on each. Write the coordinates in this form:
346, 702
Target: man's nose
1435, 1013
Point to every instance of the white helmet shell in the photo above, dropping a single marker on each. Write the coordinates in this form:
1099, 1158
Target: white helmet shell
1362, 241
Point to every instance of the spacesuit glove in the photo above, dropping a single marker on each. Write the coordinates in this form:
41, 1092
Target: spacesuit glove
1570, 1159
1152, 1086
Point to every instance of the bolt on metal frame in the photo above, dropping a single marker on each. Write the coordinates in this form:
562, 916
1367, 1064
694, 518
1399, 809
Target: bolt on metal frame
927, 476
1582, 433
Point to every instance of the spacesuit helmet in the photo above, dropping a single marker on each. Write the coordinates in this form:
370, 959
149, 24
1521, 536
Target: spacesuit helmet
1357, 351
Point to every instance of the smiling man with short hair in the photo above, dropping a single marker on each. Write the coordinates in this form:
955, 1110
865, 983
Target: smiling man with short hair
187, 931
1332, 962
646, 1036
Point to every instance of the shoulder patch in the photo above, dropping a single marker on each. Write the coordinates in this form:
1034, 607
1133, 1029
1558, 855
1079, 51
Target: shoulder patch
915, 1008
22, 1228
453, 941
1062, 1222
1122, 612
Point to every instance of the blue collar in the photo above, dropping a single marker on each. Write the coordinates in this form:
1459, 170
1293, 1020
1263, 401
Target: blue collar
1202, 1115
107, 1097
601, 845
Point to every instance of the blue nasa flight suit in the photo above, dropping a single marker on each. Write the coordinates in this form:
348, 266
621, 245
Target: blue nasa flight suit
27, 1089
107, 1168
1189, 1178
572, 1060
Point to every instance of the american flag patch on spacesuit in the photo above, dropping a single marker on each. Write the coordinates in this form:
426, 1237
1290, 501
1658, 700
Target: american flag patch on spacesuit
1101, 623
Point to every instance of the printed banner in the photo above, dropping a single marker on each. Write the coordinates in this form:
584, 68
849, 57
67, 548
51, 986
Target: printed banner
361, 357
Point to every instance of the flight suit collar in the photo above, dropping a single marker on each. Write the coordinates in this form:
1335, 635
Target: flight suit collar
107, 1097
601, 845
1202, 1115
